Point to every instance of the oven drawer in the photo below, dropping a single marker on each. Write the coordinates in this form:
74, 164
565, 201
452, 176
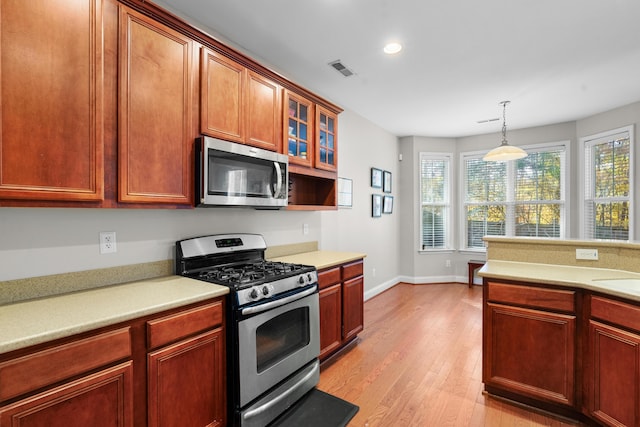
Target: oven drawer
172, 328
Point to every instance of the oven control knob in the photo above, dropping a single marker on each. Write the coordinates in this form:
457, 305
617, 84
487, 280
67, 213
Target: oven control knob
309, 278
265, 291
301, 280
254, 294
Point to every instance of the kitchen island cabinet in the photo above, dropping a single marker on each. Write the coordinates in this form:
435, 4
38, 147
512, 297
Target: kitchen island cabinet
529, 343
564, 339
613, 362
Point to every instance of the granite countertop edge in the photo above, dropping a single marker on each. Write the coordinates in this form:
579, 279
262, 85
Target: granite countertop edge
321, 259
37, 321
563, 275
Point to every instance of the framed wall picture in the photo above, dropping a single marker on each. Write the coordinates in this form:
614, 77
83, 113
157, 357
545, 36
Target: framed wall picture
387, 182
387, 205
376, 178
345, 192
376, 205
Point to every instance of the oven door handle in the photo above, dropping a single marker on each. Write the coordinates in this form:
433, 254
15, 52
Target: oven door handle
260, 409
269, 305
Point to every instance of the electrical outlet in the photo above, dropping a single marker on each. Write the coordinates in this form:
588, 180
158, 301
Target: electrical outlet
447, 263
590, 254
108, 242
373, 272
305, 228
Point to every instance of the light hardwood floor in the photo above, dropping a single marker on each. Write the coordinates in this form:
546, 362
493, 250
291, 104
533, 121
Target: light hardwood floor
419, 363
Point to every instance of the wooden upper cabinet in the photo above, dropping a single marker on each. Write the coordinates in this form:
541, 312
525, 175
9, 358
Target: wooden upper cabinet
326, 139
222, 83
238, 104
298, 128
157, 89
263, 112
51, 144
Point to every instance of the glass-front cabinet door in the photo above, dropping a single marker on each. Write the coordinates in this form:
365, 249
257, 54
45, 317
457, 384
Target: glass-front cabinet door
298, 124
327, 140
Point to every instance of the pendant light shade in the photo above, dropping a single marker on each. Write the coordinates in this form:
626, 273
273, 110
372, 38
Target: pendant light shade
504, 151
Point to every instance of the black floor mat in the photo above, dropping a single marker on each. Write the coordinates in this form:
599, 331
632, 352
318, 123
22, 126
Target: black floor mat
317, 409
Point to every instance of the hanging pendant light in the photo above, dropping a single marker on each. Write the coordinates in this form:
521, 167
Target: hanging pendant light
504, 151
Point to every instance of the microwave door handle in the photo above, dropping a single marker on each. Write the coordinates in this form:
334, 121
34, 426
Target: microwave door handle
278, 190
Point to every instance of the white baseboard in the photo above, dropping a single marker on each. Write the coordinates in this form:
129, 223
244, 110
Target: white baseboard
414, 281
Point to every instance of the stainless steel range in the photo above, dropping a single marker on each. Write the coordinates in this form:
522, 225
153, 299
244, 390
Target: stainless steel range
273, 335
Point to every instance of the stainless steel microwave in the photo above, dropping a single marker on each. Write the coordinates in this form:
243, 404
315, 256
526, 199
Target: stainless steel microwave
231, 174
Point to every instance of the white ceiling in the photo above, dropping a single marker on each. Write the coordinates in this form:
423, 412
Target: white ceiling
555, 60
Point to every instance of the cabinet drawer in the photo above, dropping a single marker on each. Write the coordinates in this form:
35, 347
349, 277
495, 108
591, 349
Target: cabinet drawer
351, 270
552, 299
34, 371
622, 314
328, 277
171, 328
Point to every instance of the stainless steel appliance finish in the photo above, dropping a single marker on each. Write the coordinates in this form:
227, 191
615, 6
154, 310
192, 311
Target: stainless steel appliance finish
231, 174
272, 324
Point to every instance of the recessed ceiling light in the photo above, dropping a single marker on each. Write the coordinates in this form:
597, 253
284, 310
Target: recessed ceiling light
391, 48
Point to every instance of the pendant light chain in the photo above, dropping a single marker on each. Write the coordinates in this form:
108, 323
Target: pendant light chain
504, 122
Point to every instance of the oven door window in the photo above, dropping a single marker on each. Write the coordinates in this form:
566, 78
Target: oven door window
281, 336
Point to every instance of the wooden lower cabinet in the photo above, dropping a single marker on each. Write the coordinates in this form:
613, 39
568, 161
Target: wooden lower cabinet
103, 399
330, 319
341, 306
568, 351
162, 370
613, 362
531, 352
186, 383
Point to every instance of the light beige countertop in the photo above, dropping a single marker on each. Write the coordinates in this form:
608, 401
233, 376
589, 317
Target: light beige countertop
321, 259
620, 283
33, 322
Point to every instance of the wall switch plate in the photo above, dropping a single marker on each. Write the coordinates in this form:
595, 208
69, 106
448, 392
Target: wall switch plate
590, 254
108, 242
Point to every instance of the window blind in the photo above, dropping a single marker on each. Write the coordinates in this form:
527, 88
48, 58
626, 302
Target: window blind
434, 201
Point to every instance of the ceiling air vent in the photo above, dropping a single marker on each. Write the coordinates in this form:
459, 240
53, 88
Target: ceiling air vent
341, 68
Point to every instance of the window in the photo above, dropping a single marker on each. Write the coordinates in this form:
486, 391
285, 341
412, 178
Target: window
608, 185
521, 198
435, 207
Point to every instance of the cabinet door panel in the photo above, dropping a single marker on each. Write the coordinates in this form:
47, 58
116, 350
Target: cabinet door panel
155, 112
330, 319
51, 144
353, 307
187, 383
298, 127
104, 399
615, 375
222, 87
531, 352
263, 113
326, 143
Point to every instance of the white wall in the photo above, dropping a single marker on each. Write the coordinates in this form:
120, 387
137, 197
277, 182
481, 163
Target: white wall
364, 145
430, 267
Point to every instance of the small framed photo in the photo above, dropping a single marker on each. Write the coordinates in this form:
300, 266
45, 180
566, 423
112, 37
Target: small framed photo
387, 182
376, 205
387, 205
376, 178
